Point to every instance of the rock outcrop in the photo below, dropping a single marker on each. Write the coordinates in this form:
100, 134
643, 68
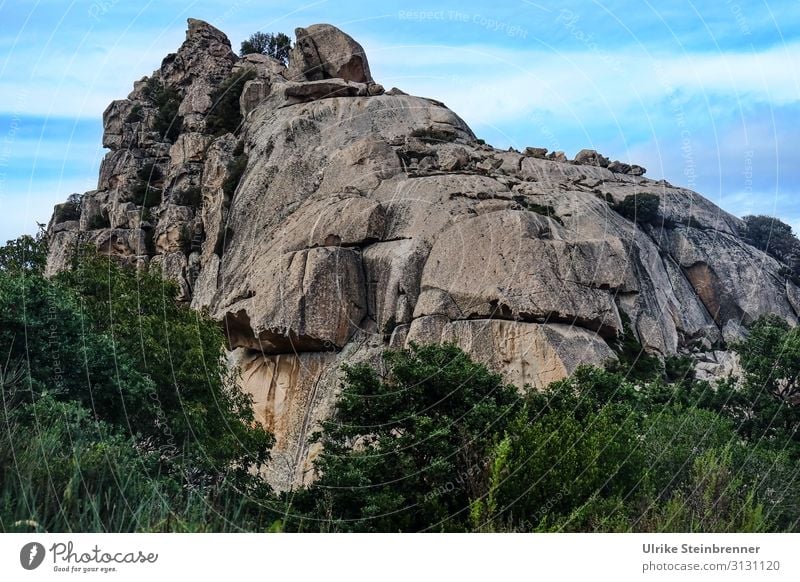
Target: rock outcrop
339, 219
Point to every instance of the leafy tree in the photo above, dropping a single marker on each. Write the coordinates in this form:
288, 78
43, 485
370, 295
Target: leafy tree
225, 115
641, 208
118, 412
194, 406
24, 255
275, 45
408, 450
772, 236
768, 402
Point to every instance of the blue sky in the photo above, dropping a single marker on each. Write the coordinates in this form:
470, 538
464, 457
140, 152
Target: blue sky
704, 94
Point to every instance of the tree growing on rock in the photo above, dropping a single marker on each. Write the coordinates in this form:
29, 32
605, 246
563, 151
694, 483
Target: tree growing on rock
775, 238
275, 45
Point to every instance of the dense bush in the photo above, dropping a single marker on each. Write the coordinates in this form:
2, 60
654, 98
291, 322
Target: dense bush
225, 115
641, 208
235, 172
167, 100
275, 45
594, 452
775, 238
408, 449
113, 382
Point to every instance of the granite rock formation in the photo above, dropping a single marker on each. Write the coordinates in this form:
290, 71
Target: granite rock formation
339, 219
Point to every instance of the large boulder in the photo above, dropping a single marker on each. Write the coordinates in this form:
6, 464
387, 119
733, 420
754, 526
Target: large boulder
323, 51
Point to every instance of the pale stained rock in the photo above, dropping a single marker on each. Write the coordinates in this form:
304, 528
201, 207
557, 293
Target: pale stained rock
173, 267
619, 167
292, 394
339, 221
173, 229
536, 152
214, 212
393, 271
265, 66
205, 286
122, 215
322, 89
323, 51
360, 167
307, 300
189, 147
94, 214
591, 158
68, 225
498, 265
452, 158
524, 353
735, 282
711, 366
122, 243
253, 93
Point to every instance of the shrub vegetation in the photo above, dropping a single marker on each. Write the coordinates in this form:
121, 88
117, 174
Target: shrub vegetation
120, 414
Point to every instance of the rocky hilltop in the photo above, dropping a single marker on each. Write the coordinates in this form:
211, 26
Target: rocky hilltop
339, 218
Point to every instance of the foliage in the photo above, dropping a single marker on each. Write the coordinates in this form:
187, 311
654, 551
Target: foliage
191, 196
167, 100
26, 255
772, 236
275, 45
777, 239
544, 210
225, 115
767, 405
408, 449
641, 208
235, 172
632, 357
121, 415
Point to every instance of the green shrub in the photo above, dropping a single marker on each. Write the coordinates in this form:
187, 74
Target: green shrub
26, 255
135, 115
544, 210
144, 194
236, 170
641, 208
98, 221
777, 239
167, 100
225, 115
191, 196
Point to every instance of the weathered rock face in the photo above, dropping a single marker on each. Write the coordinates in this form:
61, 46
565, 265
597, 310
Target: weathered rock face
340, 220
323, 51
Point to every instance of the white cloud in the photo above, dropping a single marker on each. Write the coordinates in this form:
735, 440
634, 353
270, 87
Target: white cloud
496, 85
